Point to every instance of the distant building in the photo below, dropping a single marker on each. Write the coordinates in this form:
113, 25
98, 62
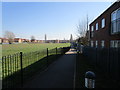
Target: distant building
1, 40
105, 30
25, 40
17, 40
56, 41
64, 41
45, 38
4, 40
71, 38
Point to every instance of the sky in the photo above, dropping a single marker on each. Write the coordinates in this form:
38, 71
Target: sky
55, 19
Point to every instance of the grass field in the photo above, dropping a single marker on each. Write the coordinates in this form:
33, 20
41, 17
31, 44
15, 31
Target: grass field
8, 49
11, 49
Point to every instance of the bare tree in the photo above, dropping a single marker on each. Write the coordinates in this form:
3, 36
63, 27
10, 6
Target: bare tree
10, 36
82, 29
32, 38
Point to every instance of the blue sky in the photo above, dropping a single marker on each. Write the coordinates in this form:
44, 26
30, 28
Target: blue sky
56, 19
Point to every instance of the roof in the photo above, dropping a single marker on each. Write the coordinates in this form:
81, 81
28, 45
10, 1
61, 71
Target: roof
105, 11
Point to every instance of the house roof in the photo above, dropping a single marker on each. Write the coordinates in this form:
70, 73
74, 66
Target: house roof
4, 38
114, 4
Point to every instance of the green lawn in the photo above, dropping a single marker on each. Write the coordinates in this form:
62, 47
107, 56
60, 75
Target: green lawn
9, 49
32, 53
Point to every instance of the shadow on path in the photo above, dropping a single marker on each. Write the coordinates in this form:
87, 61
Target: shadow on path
60, 74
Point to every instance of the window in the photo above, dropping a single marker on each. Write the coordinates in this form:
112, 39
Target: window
115, 21
103, 23
91, 43
112, 43
118, 13
96, 26
115, 43
118, 20
91, 34
92, 28
96, 44
113, 16
102, 43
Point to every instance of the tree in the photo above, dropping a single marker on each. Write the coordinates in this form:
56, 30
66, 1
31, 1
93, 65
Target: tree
10, 36
32, 38
82, 31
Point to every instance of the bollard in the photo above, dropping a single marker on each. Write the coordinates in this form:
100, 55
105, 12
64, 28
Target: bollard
90, 79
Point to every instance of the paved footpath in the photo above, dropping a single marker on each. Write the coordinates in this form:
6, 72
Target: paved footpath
60, 74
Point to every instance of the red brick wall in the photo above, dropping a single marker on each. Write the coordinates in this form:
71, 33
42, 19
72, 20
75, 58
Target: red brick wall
104, 33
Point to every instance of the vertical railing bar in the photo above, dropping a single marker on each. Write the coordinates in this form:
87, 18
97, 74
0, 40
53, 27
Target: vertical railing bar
3, 71
37, 56
56, 50
10, 71
15, 62
47, 57
21, 66
31, 58
13, 70
28, 58
18, 62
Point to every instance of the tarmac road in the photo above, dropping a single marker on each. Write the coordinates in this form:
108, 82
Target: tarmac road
60, 74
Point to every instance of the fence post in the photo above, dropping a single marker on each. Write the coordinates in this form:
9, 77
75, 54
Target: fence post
47, 57
3, 71
56, 50
62, 50
108, 61
21, 66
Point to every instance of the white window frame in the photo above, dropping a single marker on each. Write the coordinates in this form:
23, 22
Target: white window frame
102, 43
103, 23
112, 43
115, 25
92, 28
96, 26
118, 22
115, 43
113, 13
117, 15
92, 34
96, 43
92, 43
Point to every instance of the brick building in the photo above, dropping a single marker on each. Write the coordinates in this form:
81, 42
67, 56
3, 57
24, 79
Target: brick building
4, 40
105, 29
17, 40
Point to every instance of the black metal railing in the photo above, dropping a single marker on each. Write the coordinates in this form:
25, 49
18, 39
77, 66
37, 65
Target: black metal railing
17, 68
106, 60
